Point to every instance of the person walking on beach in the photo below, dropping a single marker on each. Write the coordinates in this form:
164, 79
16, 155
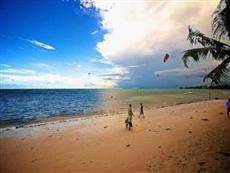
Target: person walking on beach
228, 107
141, 111
128, 120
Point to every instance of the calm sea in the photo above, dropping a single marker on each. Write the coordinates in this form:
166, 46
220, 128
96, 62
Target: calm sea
21, 106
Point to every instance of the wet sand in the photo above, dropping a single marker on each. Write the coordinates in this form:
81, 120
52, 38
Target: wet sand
185, 138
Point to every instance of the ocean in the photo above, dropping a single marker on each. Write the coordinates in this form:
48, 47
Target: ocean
21, 106
24, 105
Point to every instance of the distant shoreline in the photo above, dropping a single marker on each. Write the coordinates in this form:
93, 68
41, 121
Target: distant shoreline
206, 87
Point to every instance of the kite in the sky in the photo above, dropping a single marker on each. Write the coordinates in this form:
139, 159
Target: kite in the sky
89, 74
166, 58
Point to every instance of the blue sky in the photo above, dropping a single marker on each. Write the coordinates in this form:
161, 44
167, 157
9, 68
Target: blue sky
99, 44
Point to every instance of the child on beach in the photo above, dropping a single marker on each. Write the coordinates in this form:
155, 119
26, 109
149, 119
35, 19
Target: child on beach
228, 107
128, 120
141, 111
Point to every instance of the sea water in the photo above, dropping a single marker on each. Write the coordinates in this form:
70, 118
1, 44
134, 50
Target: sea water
19, 106
23, 105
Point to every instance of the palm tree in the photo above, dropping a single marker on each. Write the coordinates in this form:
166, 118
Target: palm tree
214, 48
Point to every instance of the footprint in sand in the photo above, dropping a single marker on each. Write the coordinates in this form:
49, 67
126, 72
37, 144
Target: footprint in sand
221, 113
189, 131
105, 127
170, 157
150, 167
201, 163
128, 145
168, 129
34, 160
204, 119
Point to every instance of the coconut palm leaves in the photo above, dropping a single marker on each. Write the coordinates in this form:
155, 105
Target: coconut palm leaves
221, 20
213, 48
220, 74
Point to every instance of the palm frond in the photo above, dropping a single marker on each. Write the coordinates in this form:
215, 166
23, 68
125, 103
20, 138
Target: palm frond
196, 54
221, 21
220, 74
195, 36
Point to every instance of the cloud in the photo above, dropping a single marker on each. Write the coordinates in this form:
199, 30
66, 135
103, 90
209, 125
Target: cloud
94, 32
136, 66
4, 65
42, 45
137, 34
115, 73
42, 65
141, 29
74, 65
181, 72
101, 60
32, 78
198, 70
53, 80
21, 71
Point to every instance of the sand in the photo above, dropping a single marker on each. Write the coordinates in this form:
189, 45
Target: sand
185, 138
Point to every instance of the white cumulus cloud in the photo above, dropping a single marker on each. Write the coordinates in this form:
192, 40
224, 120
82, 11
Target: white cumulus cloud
142, 28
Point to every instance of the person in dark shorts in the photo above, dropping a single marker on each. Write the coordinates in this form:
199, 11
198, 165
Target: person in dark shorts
128, 120
228, 107
141, 111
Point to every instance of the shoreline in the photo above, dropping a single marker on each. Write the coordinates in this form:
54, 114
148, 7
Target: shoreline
51, 119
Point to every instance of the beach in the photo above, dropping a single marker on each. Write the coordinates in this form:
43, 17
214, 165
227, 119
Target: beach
76, 76
185, 138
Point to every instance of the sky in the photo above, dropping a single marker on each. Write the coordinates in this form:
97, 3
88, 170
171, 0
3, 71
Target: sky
100, 43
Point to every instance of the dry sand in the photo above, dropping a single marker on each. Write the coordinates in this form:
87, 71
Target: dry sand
186, 138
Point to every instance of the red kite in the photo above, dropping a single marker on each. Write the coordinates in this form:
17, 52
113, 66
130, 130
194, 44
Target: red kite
166, 58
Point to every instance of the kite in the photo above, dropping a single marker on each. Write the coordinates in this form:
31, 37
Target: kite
166, 58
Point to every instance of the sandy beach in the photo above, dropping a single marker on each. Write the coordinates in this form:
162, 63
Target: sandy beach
185, 138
